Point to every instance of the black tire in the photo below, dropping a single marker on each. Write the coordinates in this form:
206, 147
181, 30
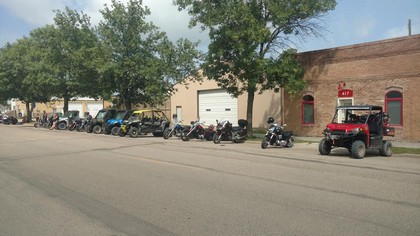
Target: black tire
133, 132
114, 130
61, 126
358, 149
167, 133
184, 136
290, 143
265, 142
89, 129
107, 131
120, 132
216, 138
97, 129
36, 125
324, 147
386, 148
72, 127
79, 128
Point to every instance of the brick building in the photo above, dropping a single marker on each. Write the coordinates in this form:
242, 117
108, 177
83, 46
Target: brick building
385, 73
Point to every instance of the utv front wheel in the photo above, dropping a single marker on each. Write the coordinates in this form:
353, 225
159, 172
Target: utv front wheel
97, 129
386, 149
133, 132
358, 149
324, 147
114, 130
62, 126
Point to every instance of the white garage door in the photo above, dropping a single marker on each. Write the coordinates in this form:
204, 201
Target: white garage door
94, 106
217, 105
75, 105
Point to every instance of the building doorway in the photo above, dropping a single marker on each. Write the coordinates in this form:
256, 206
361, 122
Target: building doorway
343, 102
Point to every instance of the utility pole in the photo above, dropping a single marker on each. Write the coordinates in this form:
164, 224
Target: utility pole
409, 27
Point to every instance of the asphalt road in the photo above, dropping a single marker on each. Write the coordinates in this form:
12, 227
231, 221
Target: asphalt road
70, 183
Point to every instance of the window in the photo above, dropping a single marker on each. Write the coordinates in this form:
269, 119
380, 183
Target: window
308, 110
393, 106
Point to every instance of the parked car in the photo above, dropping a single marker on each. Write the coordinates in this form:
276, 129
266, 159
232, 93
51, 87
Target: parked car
96, 125
144, 122
358, 128
112, 125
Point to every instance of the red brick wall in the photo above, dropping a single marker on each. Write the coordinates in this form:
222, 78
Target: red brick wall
370, 70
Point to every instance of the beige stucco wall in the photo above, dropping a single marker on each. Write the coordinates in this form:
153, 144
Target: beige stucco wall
186, 96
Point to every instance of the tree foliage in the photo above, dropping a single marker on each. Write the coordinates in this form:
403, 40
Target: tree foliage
249, 44
71, 46
142, 64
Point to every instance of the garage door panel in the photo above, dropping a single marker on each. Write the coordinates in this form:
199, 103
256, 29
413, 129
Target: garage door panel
217, 105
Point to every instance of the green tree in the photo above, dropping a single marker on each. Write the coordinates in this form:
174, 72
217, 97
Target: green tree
248, 50
22, 75
141, 64
71, 49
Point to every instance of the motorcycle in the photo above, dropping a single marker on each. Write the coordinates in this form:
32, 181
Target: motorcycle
82, 125
9, 120
197, 131
174, 131
226, 132
74, 124
41, 122
277, 136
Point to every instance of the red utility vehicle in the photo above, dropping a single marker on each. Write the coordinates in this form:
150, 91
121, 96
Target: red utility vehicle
358, 128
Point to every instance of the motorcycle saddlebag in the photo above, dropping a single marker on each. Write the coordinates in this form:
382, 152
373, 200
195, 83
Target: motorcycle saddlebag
287, 134
242, 123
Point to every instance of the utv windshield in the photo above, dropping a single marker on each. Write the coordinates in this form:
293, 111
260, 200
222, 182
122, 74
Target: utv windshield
120, 115
101, 115
353, 115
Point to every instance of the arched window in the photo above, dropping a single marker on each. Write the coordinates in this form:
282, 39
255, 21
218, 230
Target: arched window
394, 107
307, 110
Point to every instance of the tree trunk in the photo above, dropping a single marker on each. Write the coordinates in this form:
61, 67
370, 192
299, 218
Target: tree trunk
28, 112
127, 102
66, 105
250, 110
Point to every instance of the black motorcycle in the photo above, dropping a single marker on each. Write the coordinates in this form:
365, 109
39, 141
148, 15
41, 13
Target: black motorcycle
226, 132
9, 120
277, 136
197, 131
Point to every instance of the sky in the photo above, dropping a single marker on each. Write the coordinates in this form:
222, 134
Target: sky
351, 22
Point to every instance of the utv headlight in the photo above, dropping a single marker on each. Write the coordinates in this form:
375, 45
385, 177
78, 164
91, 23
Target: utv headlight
327, 130
356, 130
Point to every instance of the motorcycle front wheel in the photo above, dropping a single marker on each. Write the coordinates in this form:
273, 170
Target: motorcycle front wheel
265, 142
167, 133
216, 138
184, 136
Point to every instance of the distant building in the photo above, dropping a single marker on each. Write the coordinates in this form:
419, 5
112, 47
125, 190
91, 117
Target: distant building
82, 104
385, 73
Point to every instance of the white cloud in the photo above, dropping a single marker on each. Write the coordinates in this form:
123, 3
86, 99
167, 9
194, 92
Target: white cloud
37, 13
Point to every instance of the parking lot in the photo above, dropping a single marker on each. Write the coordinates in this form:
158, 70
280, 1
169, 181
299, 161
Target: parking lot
73, 183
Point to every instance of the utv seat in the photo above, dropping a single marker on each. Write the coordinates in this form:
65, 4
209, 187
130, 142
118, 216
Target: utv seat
373, 124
